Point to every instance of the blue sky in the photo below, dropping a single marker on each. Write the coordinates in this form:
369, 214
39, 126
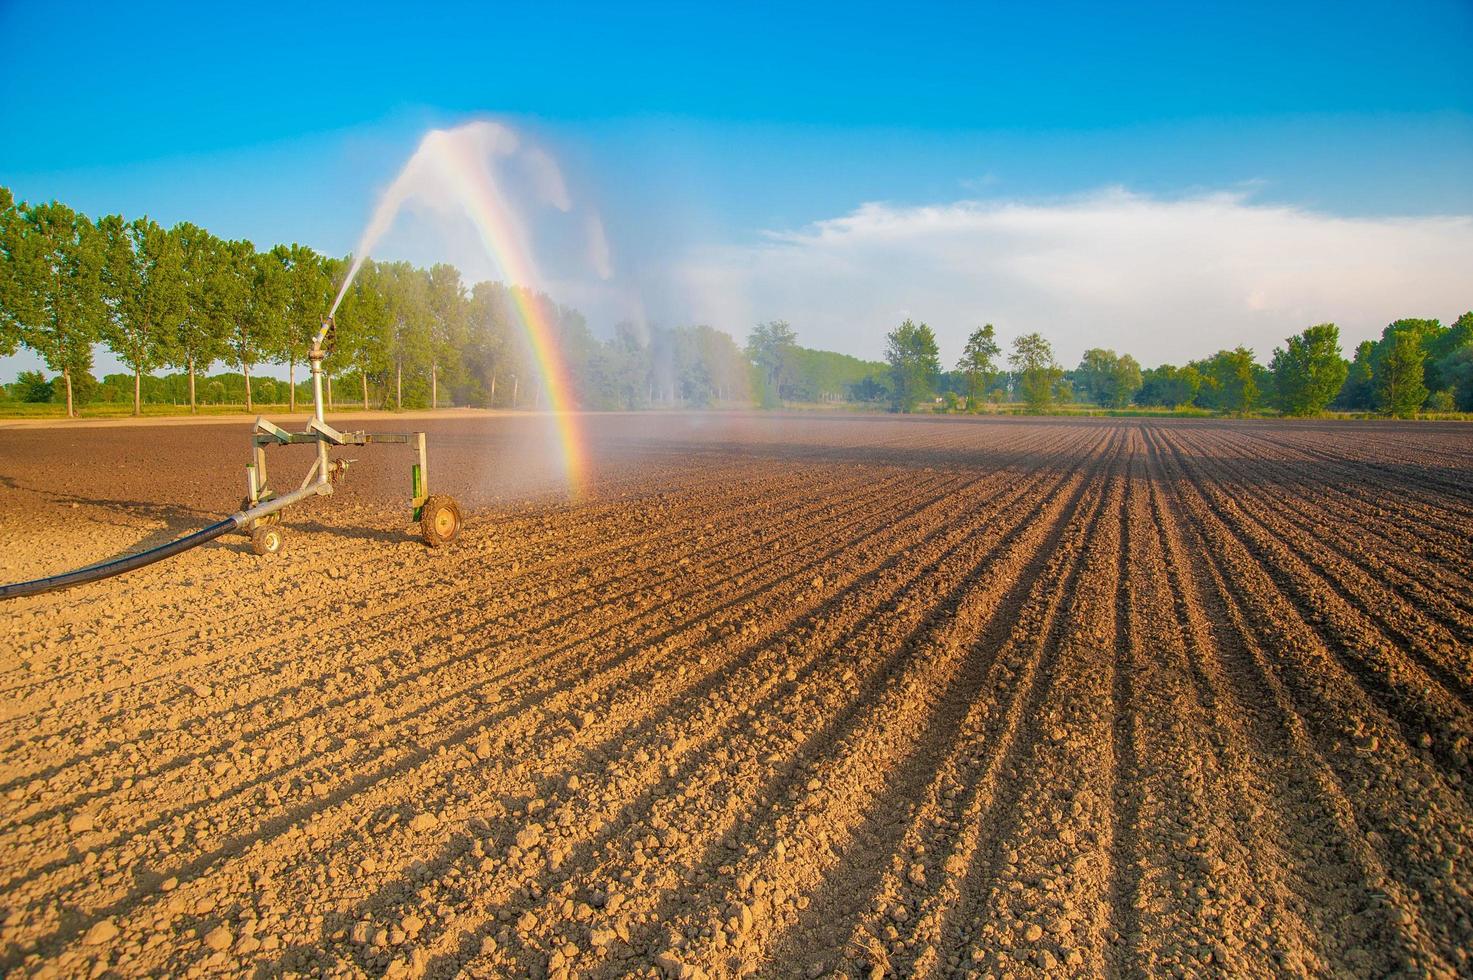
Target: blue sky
725, 145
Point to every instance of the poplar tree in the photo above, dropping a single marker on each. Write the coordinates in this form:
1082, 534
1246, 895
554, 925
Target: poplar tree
406, 294
143, 293
363, 325
199, 335
773, 347
250, 291
309, 294
448, 325
12, 246
57, 290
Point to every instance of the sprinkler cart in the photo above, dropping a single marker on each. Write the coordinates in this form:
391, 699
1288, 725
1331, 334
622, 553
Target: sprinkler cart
260, 514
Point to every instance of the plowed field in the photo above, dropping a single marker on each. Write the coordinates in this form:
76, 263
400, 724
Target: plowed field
777, 696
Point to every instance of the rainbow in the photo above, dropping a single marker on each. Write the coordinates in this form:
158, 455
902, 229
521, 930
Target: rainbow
501, 235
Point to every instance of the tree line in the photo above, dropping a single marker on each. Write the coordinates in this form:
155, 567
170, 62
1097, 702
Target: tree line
185, 299
1417, 365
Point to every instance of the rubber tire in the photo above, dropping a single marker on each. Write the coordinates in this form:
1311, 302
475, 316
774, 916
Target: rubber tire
268, 540
439, 520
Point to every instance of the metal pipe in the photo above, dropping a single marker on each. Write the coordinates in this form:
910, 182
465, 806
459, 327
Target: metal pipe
321, 487
315, 357
316, 363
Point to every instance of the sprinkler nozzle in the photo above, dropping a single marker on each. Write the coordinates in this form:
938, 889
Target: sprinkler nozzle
326, 336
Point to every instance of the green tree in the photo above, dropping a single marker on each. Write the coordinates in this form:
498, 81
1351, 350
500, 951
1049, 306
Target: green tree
363, 326
1400, 359
143, 291
200, 333
309, 292
1358, 393
56, 288
1109, 379
12, 256
1457, 368
406, 296
1229, 381
1238, 380
32, 386
1169, 386
252, 293
915, 360
1309, 371
1452, 353
979, 362
449, 309
487, 342
1038, 374
772, 347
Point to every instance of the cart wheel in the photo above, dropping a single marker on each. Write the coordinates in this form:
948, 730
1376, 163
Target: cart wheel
245, 504
439, 520
268, 540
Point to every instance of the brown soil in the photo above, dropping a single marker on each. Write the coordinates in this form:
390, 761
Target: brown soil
777, 696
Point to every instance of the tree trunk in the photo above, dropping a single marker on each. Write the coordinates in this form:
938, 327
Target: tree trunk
328, 378
291, 395
364, 376
513, 391
193, 406
398, 387
66, 375
137, 392
434, 388
246, 370
492, 400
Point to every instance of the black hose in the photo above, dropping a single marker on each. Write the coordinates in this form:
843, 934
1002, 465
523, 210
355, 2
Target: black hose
117, 566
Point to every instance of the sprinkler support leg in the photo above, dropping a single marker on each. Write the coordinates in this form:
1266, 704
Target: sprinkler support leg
419, 484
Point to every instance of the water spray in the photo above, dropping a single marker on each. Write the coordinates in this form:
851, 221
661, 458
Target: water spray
438, 515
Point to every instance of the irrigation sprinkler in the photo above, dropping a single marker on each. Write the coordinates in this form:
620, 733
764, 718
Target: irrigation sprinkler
259, 516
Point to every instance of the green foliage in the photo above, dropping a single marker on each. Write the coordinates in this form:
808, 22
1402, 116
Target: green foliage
1457, 369
12, 230
826, 376
55, 286
1230, 381
449, 323
200, 333
410, 337
409, 324
1398, 370
1107, 378
870, 389
1038, 374
773, 348
363, 323
1358, 393
978, 363
32, 386
1309, 371
143, 292
1169, 386
915, 361
1453, 361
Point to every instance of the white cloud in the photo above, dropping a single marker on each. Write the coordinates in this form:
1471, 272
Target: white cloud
1163, 279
